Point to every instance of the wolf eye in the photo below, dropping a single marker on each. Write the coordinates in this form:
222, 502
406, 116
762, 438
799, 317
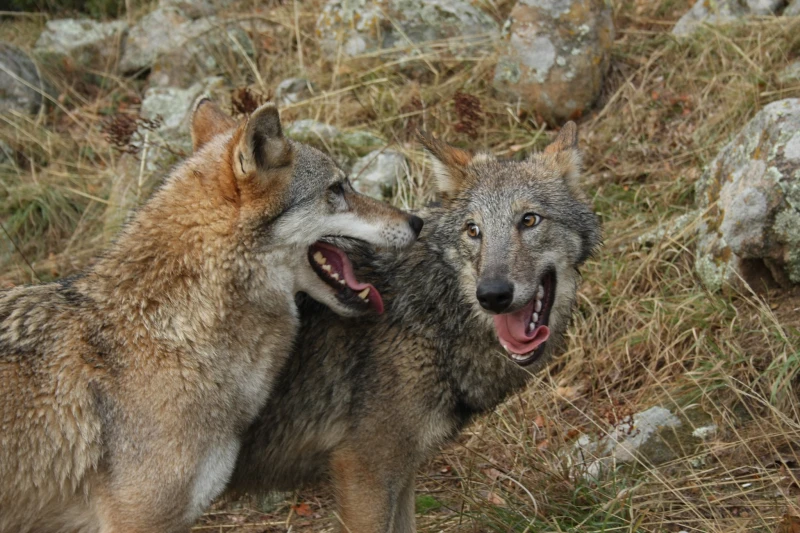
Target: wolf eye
473, 230
531, 219
336, 188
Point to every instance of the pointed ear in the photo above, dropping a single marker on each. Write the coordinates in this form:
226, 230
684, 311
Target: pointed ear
567, 158
208, 121
262, 146
449, 165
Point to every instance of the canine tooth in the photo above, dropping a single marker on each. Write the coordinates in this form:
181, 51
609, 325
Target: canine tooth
319, 258
326, 268
537, 306
363, 294
341, 282
335, 275
540, 292
535, 318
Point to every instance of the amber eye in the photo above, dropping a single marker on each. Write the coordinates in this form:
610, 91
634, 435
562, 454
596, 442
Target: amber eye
473, 230
531, 219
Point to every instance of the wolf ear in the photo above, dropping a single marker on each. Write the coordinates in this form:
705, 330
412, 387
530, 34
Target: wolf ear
208, 121
567, 157
262, 146
449, 165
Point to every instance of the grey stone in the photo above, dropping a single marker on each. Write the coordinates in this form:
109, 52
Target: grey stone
793, 9
750, 199
293, 90
653, 436
83, 42
361, 26
723, 12
377, 173
312, 131
361, 142
21, 84
196, 8
181, 50
790, 74
555, 56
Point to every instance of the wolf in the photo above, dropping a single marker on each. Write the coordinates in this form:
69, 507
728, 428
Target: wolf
124, 391
474, 309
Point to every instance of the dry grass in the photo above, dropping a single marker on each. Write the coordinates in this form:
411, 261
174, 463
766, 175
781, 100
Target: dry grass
645, 333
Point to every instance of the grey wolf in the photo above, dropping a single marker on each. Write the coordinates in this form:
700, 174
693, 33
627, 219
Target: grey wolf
474, 308
124, 391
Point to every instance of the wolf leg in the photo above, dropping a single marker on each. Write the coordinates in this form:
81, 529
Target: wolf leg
405, 508
366, 493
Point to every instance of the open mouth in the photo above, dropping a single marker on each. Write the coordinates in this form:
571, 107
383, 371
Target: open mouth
523, 333
334, 268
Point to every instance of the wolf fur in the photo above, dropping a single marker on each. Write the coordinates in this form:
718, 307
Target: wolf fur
124, 391
363, 403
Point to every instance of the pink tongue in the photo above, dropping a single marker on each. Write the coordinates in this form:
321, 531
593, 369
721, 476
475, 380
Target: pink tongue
341, 264
512, 331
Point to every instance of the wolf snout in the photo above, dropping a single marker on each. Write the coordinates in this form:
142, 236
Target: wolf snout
416, 224
495, 294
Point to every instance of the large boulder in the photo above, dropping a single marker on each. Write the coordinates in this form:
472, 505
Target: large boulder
196, 8
82, 42
722, 12
181, 50
356, 27
21, 82
750, 199
555, 56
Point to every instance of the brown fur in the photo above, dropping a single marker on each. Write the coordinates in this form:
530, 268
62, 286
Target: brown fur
124, 391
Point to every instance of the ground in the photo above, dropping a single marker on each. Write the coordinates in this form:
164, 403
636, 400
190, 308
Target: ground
645, 333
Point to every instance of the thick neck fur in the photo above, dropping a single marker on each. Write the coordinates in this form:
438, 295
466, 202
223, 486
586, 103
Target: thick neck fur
183, 260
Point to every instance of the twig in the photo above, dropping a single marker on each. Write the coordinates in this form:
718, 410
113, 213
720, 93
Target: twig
19, 251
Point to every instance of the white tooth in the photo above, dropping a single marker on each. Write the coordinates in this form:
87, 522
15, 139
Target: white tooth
341, 282
537, 306
335, 275
326, 268
535, 318
363, 294
319, 258
506, 348
540, 293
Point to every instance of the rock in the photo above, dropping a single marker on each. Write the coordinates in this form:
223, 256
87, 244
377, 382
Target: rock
722, 12
82, 42
654, 436
21, 83
312, 131
378, 172
793, 9
362, 26
750, 197
669, 229
181, 50
195, 8
293, 90
361, 142
791, 74
173, 105
555, 55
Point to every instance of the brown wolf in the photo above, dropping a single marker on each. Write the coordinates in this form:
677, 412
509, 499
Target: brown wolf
365, 402
124, 391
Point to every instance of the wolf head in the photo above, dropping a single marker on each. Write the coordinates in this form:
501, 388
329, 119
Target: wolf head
523, 228
294, 197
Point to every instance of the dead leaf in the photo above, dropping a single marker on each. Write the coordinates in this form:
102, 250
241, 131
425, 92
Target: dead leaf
790, 523
494, 499
539, 421
492, 473
303, 509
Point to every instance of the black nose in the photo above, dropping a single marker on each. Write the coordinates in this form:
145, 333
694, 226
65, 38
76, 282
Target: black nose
495, 294
416, 224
